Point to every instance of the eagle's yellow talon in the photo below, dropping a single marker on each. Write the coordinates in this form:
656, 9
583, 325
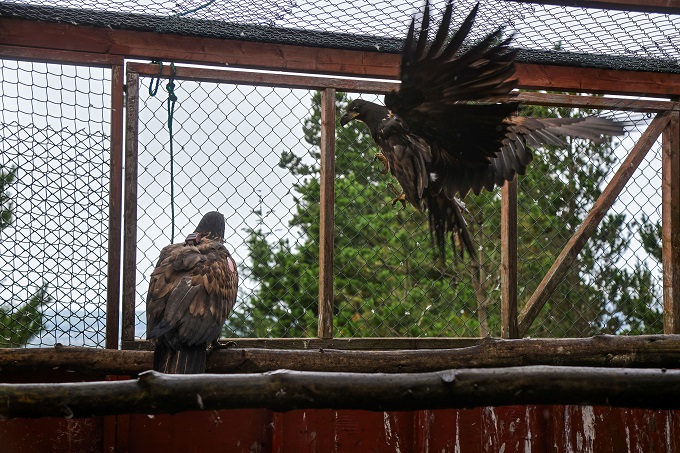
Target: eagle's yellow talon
381, 157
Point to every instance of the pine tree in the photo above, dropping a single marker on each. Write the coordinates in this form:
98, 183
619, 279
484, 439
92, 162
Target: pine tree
18, 325
388, 281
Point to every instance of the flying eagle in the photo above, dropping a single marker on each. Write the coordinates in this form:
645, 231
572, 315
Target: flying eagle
191, 292
442, 135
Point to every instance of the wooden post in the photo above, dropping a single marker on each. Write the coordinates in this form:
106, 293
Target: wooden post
509, 259
670, 213
596, 214
326, 226
130, 209
115, 207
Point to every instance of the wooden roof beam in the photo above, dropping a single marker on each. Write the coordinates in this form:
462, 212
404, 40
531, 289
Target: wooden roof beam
40, 36
647, 6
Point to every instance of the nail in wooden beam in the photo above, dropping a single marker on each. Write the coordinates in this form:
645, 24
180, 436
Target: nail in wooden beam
326, 226
509, 260
670, 212
568, 255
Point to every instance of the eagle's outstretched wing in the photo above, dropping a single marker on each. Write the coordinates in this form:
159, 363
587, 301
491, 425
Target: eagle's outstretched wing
442, 134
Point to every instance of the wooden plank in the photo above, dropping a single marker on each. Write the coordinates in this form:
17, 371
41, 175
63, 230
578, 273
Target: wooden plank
115, 208
589, 80
377, 343
649, 6
190, 49
354, 85
268, 79
130, 207
152, 46
509, 259
670, 213
596, 214
327, 221
602, 351
59, 56
594, 102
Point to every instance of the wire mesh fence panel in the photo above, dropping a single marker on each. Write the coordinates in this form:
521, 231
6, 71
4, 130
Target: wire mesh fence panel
230, 144
614, 286
389, 282
54, 184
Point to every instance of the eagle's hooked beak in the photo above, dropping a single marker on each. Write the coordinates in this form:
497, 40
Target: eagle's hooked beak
347, 117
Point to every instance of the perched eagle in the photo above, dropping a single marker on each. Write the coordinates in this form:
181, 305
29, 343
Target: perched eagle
191, 292
442, 135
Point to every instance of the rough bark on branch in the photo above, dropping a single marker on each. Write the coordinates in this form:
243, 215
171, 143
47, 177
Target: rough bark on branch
287, 390
660, 351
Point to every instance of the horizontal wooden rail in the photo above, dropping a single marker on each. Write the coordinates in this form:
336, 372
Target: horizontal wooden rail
600, 351
356, 85
279, 57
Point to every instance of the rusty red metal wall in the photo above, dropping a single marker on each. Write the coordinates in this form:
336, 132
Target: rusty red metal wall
535, 429
526, 429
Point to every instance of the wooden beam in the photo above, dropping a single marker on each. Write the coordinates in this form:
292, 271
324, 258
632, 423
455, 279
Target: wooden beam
670, 213
354, 85
356, 344
567, 78
45, 55
269, 79
115, 208
649, 6
568, 255
659, 351
130, 206
152, 46
509, 259
593, 102
327, 220
154, 393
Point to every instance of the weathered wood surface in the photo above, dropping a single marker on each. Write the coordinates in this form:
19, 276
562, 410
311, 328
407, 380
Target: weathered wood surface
130, 206
662, 351
115, 208
509, 259
670, 232
167, 47
327, 213
285, 390
374, 343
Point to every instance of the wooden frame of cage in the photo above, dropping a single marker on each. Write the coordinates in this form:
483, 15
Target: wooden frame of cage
72, 44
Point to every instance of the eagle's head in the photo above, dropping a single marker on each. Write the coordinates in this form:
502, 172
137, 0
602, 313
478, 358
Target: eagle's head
358, 109
368, 112
212, 224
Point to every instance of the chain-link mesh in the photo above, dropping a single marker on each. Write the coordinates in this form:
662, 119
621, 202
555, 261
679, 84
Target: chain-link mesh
615, 283
54, 179
252, 153
584, 36
228, 140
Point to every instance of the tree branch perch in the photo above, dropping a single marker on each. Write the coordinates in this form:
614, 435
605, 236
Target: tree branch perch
287, 390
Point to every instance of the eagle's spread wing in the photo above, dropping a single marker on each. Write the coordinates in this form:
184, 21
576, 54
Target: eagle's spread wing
441, 133
439, 81
191, 292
